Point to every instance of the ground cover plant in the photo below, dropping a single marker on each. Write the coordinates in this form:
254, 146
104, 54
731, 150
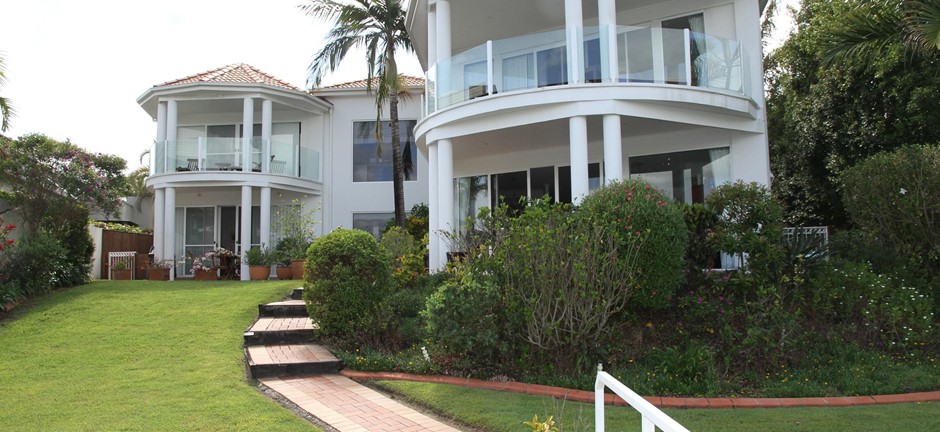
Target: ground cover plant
137, 355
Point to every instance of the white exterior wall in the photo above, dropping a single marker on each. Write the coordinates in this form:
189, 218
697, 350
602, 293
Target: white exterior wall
345, 197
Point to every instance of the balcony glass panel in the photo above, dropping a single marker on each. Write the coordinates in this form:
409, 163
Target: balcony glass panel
309, 164
453, 75
530, 61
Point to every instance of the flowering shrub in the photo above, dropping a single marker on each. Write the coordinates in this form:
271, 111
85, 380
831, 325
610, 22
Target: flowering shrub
6, 245
631, 209
210, 260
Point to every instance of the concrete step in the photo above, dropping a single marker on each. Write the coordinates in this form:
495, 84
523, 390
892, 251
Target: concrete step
290, 359
281, 330
297, 294
287, 308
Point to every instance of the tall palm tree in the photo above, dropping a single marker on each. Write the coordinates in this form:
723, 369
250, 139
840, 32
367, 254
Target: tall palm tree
6, 110
870, 29
378, 27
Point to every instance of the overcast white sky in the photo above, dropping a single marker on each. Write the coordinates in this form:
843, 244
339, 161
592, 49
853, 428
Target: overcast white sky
76, 68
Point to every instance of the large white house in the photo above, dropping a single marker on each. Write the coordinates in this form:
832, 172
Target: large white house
556, 97
218, 183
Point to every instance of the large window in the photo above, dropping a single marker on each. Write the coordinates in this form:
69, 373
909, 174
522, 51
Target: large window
371, 164
372, 223
687, 176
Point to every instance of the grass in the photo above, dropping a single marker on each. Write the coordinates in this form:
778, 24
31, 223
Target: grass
137, 355
506, 411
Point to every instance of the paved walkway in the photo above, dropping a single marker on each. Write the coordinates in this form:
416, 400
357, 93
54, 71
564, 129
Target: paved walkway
348, 406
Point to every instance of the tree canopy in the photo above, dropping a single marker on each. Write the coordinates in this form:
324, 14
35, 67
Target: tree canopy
44, 179
6, 109
824, 117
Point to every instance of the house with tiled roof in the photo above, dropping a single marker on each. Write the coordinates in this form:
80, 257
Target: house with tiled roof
234, 146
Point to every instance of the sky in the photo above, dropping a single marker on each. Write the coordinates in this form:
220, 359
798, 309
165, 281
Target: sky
76, 68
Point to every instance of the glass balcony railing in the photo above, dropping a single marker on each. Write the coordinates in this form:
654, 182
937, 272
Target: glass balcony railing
277, 156
643, 55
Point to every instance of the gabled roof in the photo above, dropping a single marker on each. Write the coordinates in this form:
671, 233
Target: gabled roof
409, 81
233, 73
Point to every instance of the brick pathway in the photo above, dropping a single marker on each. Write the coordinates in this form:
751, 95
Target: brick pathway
351, 407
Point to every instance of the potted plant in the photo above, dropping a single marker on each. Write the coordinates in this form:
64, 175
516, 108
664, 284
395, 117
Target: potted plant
119, 271
259, 261
159, 270
205, 267
283, 265
295, 228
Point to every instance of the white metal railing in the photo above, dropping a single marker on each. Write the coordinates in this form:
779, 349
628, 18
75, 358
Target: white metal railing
227, 154
652, 416
125, 259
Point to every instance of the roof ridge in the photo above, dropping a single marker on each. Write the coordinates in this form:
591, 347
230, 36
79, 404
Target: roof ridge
233, 73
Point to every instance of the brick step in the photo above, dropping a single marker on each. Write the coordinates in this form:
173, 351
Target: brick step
287, 308
291, 359
281, 330
297, 294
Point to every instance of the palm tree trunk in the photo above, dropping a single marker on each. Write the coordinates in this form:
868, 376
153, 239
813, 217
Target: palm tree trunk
397, 176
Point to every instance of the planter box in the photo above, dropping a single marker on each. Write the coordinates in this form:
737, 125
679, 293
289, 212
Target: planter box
259, 272
284, 273
158, 274
206, 275
126, 274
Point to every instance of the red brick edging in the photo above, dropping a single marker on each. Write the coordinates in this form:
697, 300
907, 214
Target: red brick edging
661, 402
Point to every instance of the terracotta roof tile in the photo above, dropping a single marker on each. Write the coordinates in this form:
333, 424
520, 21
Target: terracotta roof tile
233, 73
410, 81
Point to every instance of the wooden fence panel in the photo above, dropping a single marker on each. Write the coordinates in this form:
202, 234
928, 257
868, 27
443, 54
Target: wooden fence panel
117, 241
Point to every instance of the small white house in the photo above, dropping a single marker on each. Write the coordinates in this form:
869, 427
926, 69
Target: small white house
218, 183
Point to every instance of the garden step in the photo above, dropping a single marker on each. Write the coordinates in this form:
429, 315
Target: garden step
281, 330
291, 359
297, 294
287, 308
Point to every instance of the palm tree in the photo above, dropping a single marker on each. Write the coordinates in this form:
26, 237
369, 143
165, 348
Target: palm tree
868, 31
6, 110
378, 27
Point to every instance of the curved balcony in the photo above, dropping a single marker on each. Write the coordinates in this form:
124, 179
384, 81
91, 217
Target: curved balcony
226, 154
628, 56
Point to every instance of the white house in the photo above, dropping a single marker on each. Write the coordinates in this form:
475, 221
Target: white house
556, 97
217, 184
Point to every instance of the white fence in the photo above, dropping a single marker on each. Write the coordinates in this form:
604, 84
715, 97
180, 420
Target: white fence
652, 416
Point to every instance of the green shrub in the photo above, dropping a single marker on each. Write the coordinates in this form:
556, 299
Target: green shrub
36, 261
688, 369
749, 221
893, 198
875, 309
632, 208
346, 278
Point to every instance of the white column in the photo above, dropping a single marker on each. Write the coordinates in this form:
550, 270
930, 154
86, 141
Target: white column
577, 131
442, 23
169, 228
171, 122
158, 217
245, 230
432, 35
434, 242
573, 24
445, 193
607, 21
265, 221
160, 140
613, 153
248, 125
266, 125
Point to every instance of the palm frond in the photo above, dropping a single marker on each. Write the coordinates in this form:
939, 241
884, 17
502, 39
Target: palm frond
922, 18
866, 32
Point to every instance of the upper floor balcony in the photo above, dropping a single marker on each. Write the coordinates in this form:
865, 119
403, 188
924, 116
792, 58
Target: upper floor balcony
622, 55
208, 154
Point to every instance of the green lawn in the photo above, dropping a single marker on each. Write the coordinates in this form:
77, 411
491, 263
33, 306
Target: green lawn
506, 412
137, 355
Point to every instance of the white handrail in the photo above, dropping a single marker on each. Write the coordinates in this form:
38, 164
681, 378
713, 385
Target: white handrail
652, 416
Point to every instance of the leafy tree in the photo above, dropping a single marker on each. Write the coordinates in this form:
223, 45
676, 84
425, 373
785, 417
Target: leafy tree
6, 110
877, 26
44, 178
378, 26
825, 117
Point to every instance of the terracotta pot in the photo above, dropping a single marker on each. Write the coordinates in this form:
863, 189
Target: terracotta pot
259, 272
158, 274
126, 274
206, 275
297, 268
284, 273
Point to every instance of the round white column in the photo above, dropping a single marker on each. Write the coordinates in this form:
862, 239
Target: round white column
442, 24
248, 126
265, 221
613, 152
169, 231
158, 217
445, 192
171, 122
573, 25
607, 21
577, 130
160, 141
266, 127
434, 242
245, 243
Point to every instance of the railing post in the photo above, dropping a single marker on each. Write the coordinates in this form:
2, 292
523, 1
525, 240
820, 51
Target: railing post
599, 401
489, 68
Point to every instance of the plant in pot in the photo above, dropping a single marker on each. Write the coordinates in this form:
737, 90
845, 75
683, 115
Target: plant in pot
120, 271
295, 225
206, 267
259, 261
159, 270
282, 262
